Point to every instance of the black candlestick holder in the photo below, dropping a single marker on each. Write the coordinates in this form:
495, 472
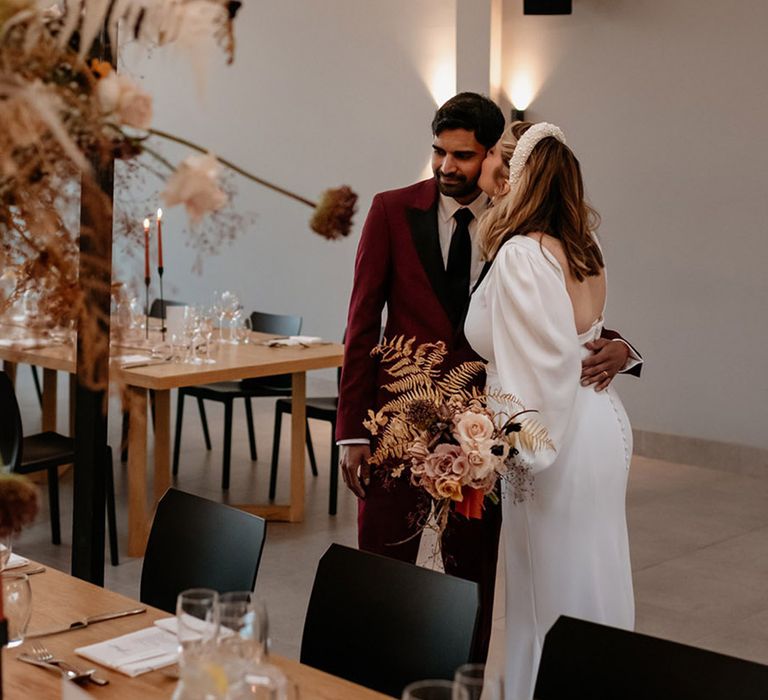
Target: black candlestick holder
146, 307
160, 271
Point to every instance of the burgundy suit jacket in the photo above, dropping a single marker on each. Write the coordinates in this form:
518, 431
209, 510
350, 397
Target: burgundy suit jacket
399, 263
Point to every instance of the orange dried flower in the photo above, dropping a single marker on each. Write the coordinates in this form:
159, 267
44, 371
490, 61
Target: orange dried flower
18, 503
333, 215
101, 69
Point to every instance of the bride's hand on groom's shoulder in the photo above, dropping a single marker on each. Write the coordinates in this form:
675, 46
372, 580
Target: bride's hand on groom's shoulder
606, 361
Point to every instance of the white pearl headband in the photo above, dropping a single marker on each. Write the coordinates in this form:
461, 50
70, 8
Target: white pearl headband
527, 143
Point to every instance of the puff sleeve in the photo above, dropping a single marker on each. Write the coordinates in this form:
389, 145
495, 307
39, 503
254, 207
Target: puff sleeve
535, 344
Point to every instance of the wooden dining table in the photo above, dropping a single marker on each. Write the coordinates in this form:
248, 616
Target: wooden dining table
233, 362
58, 598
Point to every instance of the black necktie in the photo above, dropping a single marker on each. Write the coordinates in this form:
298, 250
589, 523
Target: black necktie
459, 261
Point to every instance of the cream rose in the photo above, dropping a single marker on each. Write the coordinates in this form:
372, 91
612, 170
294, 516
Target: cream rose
472, 429
121, 96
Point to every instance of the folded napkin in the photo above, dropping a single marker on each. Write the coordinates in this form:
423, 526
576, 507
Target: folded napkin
25, 343
15, 561
193, 624
135, 653
296, 340
129, 361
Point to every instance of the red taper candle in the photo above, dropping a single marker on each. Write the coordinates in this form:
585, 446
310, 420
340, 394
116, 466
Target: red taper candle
146, 249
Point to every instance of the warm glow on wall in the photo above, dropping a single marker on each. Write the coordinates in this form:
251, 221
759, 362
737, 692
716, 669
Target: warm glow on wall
442, 79
521, 90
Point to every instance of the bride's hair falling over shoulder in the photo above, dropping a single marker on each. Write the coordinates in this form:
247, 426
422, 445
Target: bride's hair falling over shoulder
548, 198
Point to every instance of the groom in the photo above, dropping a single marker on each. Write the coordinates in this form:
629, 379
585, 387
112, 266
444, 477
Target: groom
419, 256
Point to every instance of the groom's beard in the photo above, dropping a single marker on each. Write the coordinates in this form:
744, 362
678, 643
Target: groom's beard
457, 185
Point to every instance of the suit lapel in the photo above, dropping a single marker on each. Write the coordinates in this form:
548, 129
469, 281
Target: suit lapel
426, 239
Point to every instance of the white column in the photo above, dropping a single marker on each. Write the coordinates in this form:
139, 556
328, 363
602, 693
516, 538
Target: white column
478, 46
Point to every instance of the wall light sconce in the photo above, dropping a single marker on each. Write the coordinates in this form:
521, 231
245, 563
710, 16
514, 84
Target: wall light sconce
517, 115
547, 7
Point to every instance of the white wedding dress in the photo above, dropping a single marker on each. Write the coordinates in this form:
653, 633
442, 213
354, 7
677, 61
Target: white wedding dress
566, 549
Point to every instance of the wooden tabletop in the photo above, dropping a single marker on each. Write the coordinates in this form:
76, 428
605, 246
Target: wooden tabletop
253, 359
58, 598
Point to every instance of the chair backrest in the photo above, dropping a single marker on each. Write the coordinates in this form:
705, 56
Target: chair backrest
583, 659
157, 309
279, 324
385, 623
11, 434
195, 543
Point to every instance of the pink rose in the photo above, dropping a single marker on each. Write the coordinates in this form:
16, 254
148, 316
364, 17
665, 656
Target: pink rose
440, 462
472, 429
194, 185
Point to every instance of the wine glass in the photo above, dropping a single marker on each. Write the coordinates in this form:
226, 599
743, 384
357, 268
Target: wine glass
17, 606
197, 623
6, 548
230, 308
434, 690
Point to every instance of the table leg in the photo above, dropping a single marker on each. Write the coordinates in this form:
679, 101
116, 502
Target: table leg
72, 403
50, 397
162, 443
298, 440
137, 471
10, 370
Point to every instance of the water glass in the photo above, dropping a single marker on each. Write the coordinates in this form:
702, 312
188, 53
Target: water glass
197, 623
434, 690
244, 626
264, 682
6, 547
476, 681
17, 606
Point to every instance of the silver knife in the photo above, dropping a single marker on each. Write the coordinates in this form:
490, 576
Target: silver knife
79, 624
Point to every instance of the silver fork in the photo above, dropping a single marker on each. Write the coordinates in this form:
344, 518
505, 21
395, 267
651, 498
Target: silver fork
42, 653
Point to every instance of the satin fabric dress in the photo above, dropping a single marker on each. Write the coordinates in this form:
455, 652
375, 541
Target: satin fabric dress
566, 549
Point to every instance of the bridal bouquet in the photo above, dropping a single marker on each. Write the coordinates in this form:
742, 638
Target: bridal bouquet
451, 438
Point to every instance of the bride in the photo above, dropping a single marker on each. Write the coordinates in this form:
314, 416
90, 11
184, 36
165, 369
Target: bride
543, 299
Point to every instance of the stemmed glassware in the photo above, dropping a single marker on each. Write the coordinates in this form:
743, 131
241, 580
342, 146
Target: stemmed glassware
6, 547
435, 690
17, 605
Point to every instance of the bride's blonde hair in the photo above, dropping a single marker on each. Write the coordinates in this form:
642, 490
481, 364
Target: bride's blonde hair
548, 198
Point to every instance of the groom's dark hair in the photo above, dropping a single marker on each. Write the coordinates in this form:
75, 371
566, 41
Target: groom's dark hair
473, 112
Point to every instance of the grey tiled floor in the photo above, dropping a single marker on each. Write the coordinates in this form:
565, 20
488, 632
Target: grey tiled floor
699, 537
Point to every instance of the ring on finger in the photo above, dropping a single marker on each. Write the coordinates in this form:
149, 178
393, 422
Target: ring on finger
605, 375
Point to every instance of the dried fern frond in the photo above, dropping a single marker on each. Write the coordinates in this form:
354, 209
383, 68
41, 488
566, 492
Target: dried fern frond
533, 436
411, 382
459, 378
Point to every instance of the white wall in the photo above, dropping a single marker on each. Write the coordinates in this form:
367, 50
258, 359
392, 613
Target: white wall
320, 94
665, 103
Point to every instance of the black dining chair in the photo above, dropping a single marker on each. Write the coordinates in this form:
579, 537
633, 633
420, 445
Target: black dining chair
47, 452
247, 389
197, 543
583, 659
384, 623
318, 408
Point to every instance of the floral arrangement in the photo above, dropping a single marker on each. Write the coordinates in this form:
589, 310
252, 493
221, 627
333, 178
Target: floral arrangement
18, 503
67, 115
452, 439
